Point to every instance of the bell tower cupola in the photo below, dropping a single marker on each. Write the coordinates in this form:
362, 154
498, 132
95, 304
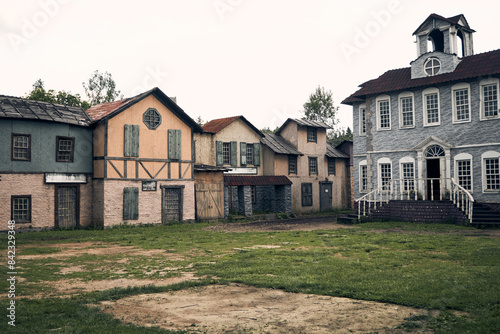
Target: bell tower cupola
441, 44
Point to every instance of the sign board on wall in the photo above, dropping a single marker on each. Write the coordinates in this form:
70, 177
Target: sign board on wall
148, 185
65, 178
242, 170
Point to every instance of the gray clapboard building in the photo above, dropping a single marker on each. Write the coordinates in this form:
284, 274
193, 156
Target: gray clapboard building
431, 131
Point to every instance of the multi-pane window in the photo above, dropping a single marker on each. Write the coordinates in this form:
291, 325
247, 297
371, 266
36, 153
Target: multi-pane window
313, 166
385, 175
151, 118
226, 153
492, 171
312, 134
363, 173
431, 106
464, 175
65, 149
362, 120
21, 147
253, 191
461, 99
384, 114
249, 154
21, 209
331, 166
408, 171
292, 164
406, 104
490, 100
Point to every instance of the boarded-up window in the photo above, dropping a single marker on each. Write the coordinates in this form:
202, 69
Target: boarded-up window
131, 146
174, 144
130, 203
243, 154
307, 194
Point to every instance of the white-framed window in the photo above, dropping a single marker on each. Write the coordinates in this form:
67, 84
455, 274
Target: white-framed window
463, 170
430, 100
432, 66
491, 171
363, 177
489, 99
406, 110
407, 173
362, 120
383, 103
460, 98
384, 172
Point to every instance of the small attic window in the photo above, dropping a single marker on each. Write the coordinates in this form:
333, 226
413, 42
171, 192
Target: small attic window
151, 118
432, 66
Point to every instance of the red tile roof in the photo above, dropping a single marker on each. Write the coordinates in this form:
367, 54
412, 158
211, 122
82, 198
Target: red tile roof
481, 65
219, 124
256, 180
101, 110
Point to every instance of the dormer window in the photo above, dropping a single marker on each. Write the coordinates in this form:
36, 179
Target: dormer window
432, 66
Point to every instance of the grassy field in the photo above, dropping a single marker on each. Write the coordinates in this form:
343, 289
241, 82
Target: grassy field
436, 267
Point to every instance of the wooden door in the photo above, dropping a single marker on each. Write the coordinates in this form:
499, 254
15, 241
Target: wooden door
67, 206
209, 201
325, 196
171, 204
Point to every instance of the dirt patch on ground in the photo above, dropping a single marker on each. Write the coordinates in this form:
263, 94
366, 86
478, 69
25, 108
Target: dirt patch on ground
239, 308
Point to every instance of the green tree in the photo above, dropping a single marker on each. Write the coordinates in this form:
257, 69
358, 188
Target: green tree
101, 88
268, 130
320, 107
336, 137
39, 93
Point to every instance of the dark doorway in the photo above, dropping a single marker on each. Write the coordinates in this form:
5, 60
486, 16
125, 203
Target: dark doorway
325, 196
67, 206
433, 186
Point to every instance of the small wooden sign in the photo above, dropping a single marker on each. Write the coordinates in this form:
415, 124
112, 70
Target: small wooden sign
148, 185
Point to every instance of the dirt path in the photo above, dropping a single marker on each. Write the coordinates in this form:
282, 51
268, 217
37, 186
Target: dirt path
237, 308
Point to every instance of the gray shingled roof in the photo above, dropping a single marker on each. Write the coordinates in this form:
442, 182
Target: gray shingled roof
303, 122
332, 152
279, 144
19, 108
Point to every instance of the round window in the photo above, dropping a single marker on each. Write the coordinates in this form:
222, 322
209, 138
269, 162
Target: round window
151, 118
432, 66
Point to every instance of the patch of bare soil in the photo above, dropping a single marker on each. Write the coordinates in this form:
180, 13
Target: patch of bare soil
239, 308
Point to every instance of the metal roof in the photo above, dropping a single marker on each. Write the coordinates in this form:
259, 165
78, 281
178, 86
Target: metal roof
303, 122
19, 108
279, 144
256, 180
333, 152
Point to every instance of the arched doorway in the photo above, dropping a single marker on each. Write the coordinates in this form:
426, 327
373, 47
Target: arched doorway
434, 156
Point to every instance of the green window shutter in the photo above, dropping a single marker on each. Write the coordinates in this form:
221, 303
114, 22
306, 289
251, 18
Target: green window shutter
130, 203
174, 144
218, 157
131, 145
256, 154
243, 154
234, 154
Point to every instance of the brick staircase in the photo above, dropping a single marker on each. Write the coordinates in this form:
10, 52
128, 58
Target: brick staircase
484, 214
418, 212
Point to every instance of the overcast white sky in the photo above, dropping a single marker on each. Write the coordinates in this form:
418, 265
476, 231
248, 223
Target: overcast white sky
257, 58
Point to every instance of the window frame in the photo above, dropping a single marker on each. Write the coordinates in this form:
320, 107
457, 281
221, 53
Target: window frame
147, 118
28, 136
484, 157
253, 194
378, 101
402, 96
332, 169
313, 164
427, 92
407, 186
12, 215
58, 149
249, 154
292, 163
226, 150
432, 67
380, 162
312, 134
454, 89
363, 167
461, 158
482, 84
362, 120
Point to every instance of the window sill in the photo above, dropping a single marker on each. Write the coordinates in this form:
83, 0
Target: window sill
384, 129
406, 127
461, 122
430, 125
